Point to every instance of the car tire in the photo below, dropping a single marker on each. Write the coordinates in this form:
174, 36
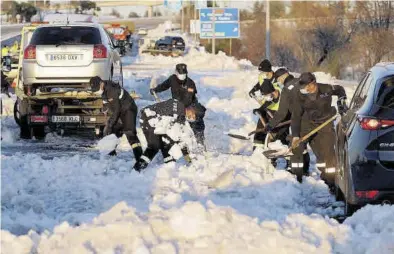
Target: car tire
38, 132
349, 208
338, 193
21, 117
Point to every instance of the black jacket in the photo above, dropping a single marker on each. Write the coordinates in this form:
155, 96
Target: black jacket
315, 108
166, 108
182, 90
118, 101
286, 101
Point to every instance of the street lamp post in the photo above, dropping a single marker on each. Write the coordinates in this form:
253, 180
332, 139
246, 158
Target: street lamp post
267, 32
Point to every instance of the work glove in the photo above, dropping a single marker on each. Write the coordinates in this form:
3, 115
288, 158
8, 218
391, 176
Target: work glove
256, 111
268, 128
251, 94
295, 142
152, 91
140, 165
342, 107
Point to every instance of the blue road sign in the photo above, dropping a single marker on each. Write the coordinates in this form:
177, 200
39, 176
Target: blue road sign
226, 23
221, 14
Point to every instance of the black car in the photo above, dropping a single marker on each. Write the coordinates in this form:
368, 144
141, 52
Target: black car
170, 43
365, 143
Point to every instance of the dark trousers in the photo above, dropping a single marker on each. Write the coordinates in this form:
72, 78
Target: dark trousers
322, 144
157, 143
127, 126
259, 137
198, 128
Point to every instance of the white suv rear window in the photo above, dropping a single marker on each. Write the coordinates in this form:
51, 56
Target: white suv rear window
67, 35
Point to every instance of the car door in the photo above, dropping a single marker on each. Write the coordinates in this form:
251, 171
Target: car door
347, 122
115, 60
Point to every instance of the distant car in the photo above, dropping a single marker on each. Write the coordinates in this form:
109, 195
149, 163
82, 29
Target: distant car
170, 43
365, 144
71, 54
142, 31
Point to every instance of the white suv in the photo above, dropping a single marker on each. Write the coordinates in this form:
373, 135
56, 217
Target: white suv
69, 55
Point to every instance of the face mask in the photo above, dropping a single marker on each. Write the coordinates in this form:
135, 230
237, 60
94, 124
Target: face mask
99, 92
304, 91
181, 76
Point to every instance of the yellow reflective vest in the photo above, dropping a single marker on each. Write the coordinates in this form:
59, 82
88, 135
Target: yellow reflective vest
274, 106
4, 51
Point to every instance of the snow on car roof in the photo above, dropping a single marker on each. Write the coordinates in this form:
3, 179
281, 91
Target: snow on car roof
64, 18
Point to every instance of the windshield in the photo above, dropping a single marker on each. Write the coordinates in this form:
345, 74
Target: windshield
66, 35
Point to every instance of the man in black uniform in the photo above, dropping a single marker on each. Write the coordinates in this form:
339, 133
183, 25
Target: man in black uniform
184, 90
289, 91
123, 108
265, 78
312, 107
172, 108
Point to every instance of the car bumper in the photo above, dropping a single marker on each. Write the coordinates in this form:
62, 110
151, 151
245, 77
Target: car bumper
86, 121
33, 73
383, 197
372, 175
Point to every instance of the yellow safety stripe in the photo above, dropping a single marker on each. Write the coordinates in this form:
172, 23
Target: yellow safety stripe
135, 145
261, 78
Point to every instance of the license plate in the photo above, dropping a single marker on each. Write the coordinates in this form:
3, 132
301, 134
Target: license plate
179, 43
65, 119
64, 57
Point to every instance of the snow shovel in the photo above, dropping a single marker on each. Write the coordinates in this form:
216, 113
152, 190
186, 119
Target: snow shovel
238, 136
275, 153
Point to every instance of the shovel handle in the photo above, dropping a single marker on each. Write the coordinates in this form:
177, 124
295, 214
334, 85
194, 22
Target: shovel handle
157, 99
279, 125
318, 128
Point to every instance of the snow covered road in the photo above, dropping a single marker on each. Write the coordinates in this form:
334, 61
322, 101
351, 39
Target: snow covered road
60, 196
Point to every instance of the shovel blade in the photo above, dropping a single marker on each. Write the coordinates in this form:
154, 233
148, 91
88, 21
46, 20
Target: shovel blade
237, 136
276, 153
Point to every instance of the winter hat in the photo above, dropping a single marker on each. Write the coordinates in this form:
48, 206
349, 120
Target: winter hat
95, 83
306, 78
280, 72
267, 88
265, 66
181, 68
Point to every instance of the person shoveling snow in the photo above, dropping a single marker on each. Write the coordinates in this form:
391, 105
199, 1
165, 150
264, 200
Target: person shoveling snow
123, 108
163, 125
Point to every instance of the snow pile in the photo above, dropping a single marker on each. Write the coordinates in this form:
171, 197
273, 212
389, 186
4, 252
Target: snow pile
9, 129
108, 144
167, 125
198, 60
255, 215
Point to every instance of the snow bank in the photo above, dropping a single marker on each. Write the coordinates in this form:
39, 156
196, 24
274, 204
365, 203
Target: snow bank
254, 213
198, 60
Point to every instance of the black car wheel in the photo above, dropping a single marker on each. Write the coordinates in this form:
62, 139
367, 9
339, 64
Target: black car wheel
38, 132
349, 208
20, 115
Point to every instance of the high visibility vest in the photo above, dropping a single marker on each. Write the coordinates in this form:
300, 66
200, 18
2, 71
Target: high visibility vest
4, 51
274, 106
261, 78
